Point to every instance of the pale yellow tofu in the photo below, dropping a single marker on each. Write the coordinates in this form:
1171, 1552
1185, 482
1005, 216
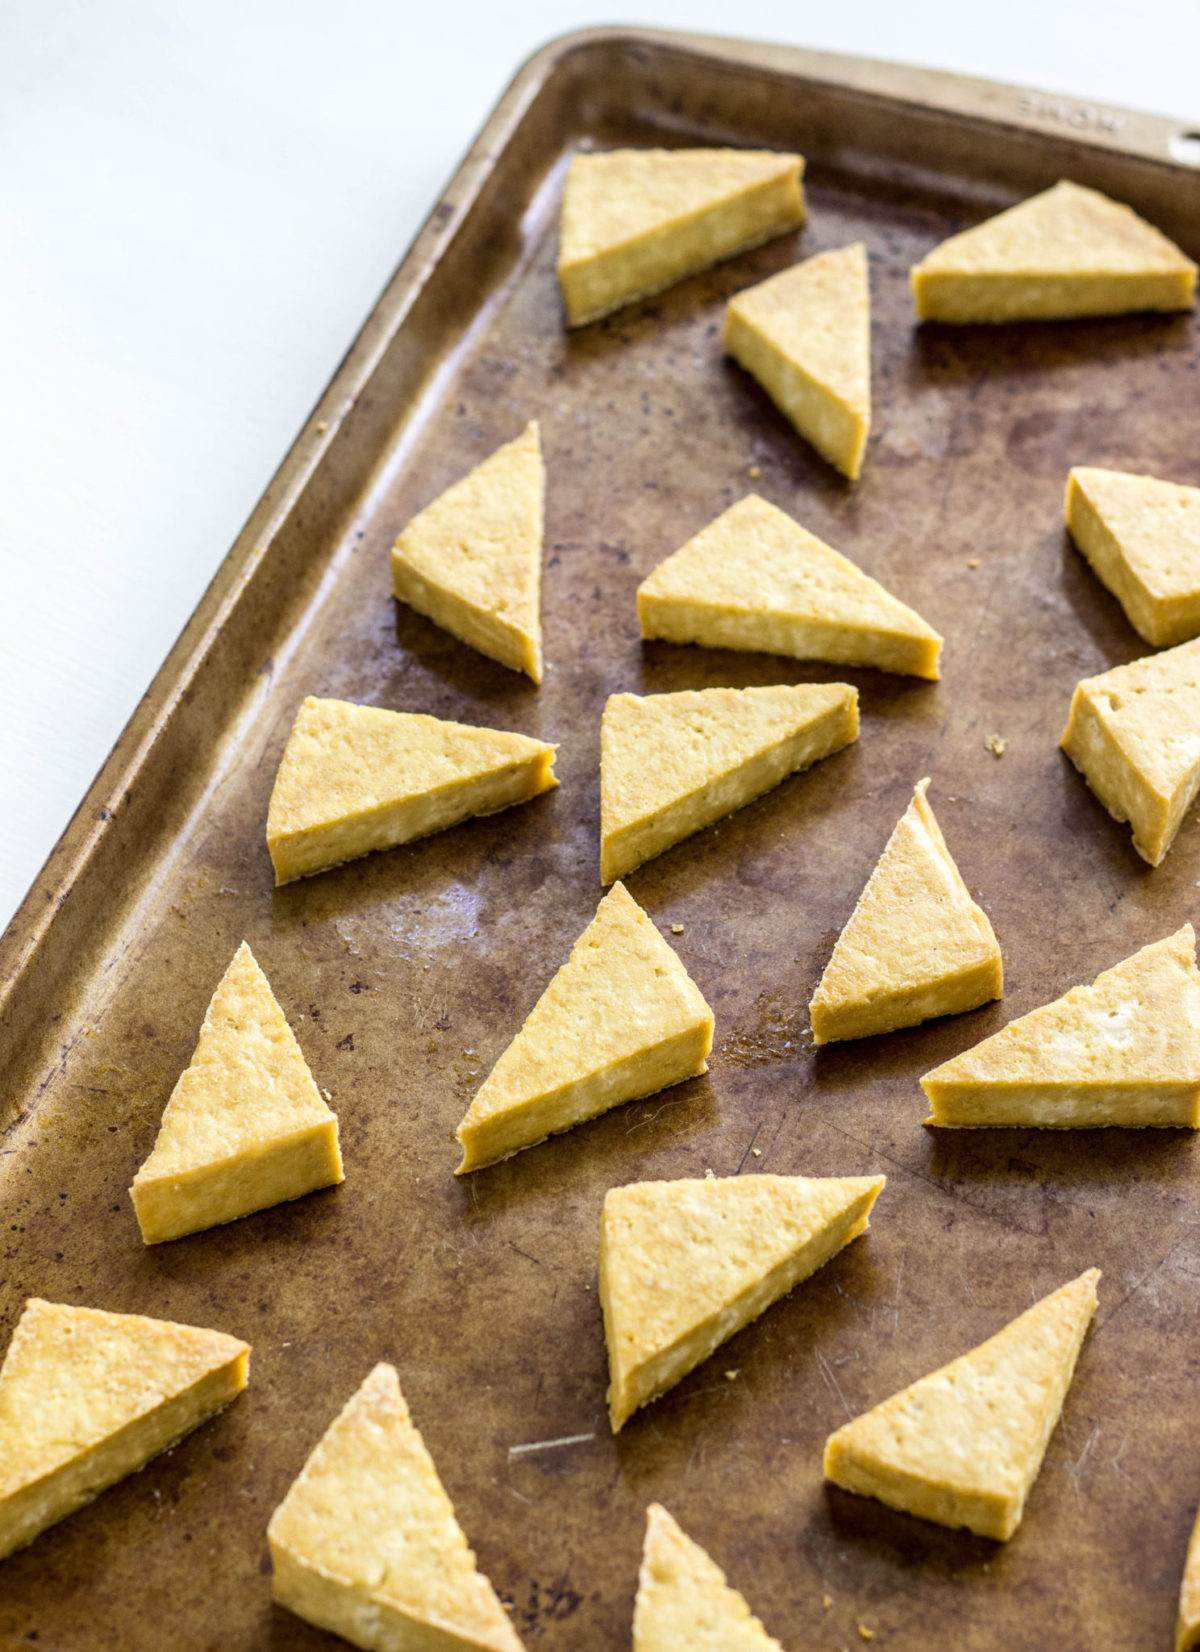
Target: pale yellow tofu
1123, 1051
365, 1543
916, 945
684, 1264
963, 1446
1142, 539
672, 763
472, 560
1187, 1625
805, 335
756, 580
637, 220
245, 1126
358, 778
684, 1603
621, 1019
1069, 251
87, 1397
1134, 734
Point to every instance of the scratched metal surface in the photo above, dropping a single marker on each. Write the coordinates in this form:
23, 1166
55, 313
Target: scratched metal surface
406, 974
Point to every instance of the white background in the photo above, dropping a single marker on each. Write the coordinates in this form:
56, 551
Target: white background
200, 201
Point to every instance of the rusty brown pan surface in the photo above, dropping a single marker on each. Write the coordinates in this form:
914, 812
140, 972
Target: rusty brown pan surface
406, 974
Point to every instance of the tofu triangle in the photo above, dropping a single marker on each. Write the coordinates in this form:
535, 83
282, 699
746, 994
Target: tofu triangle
963, 1446
1122, 1051
637, 220
756, 580
673, 763
1142, 539
916, 945
621, 1019
87, 1397
1187, 1623
683, 1599
472, 560
245, 1126
365, 1543
685, 1264
805, 335
354, 779
1132, 734
1069, 251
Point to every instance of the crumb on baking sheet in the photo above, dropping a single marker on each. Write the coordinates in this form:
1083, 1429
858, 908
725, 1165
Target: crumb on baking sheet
827, 1601
676, 929
754, 473
995, 745
327, 1094
322, 427
732, 1376
865, 1633
757, 1151
973, 562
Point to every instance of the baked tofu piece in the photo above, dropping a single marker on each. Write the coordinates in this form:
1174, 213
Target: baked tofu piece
915, 946
245, 1126
1187, 1625
963, 1446
87, 1397
683, 1600
685, 1264
672, 763
756, 580
1069, 251
1123, 1051
1134, 734
805, 335
637, 220
366, 1545
621, 1019
472, 560
1142, 539
358, 778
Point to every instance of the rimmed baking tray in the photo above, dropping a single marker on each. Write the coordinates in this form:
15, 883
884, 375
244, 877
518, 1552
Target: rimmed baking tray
406, 974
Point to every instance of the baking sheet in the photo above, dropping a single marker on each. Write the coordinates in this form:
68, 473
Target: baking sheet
406, 974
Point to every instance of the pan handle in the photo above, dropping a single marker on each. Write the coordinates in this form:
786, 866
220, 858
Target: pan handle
1049, 115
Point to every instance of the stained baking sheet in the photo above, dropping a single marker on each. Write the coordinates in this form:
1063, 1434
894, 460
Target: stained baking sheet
406, 974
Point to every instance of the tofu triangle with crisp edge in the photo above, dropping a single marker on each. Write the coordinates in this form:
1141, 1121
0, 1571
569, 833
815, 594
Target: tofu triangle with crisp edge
683, 1598
472, 560
963, 1445
637, 220
621, 1019
87, 1397
915, 946
245, 1126
1123, 1051
1187, 1622
1069, 251
366, 1544
673, 763
1134, 734
685, 1264
354, 779
756, 580
1142, 539
805, 335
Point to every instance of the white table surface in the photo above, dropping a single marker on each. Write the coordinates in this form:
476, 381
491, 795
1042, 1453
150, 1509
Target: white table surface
200, 201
